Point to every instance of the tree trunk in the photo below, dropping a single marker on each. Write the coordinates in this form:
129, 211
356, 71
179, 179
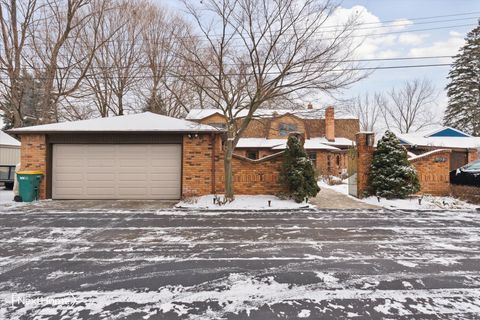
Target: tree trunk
229, 195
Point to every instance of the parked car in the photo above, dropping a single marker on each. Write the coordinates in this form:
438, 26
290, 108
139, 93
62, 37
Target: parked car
7, 176
467, 175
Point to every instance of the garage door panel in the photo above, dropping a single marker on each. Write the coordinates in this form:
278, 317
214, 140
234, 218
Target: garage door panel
69, 162
132, 191
162, 191
132, 177
99, 191
146, 171
107, 162
69, 176
164, 176
68, 191
132, 163
100, 177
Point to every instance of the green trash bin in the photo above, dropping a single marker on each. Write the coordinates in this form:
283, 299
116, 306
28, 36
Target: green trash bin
29, 184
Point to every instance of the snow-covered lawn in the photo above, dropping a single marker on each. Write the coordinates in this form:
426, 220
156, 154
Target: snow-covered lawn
427, 202
257, 202
6, 196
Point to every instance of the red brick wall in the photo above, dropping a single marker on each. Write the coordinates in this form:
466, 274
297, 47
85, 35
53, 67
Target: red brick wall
330, 124
365, 155
472, 155
260, 128
253, 176
197, 165
433, 171
274, 131
33, 156
250, 176
331, 163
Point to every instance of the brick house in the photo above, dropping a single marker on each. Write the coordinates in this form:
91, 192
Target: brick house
464, 147
434, 154
327, 138
149, 156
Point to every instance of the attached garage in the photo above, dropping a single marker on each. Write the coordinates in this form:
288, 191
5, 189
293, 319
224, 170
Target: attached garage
132, 157
116, 171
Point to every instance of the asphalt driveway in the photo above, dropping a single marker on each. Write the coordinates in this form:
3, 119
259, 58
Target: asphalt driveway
329, 264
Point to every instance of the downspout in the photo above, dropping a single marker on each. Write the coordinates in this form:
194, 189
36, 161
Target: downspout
213, 140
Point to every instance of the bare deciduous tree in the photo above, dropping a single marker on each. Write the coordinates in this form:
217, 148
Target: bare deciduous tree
410, 107
116, 69
59, 58
167, 91
259, 51
16, 18
367, 108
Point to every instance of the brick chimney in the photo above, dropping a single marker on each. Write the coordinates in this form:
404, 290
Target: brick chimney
310, 106
330, 123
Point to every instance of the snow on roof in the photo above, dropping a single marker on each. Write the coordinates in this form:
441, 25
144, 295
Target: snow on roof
339, 142
140, 122
281, 144
7, 140
259, 143
426, 154
424, 140
310, 144
198, 114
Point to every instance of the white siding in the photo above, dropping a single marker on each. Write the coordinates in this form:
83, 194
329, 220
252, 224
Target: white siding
9, 155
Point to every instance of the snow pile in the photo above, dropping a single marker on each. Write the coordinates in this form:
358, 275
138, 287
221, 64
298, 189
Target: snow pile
427, 202
257, 202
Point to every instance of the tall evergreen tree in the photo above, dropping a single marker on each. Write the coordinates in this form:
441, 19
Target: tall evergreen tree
463, 111
297, 172
391, 174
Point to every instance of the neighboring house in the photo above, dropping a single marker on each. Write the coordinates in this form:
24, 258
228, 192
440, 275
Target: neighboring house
464, 147
327, 139
9, 158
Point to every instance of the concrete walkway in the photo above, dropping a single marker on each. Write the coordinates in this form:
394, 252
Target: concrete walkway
331, 199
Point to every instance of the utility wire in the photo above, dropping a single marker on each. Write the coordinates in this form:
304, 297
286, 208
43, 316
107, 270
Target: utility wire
475, 14
237, 64
173, 75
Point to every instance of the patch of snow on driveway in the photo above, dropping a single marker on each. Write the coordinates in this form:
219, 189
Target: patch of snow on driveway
6, 196
258, 202
412, 203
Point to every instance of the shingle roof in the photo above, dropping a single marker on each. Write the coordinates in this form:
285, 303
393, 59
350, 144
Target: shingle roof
425, 139
280, 144
7, 140
140, 122
198, 114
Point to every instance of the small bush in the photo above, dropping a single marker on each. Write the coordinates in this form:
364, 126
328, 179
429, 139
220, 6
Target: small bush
298, 173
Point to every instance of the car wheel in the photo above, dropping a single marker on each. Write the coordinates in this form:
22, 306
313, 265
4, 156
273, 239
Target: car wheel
9, 185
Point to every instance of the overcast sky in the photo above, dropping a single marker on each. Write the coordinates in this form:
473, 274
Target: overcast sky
407, 15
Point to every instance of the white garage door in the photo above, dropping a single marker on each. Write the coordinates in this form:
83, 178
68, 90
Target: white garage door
116, 171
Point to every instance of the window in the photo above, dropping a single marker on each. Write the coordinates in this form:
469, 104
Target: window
252, 154
218, 125
313, 158
338, 161
285, 128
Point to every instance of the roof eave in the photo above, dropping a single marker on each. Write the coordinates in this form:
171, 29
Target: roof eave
20, 132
